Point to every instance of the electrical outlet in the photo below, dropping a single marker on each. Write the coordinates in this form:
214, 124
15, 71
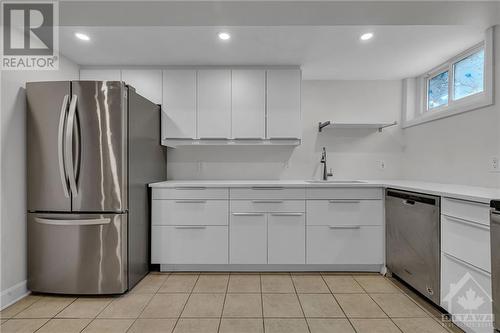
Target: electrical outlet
494, 164
381, 165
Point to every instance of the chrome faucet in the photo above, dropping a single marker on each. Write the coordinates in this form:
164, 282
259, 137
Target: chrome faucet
325, 174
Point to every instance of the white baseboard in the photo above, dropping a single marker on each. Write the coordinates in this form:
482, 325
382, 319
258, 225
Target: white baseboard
13, 294
271, 268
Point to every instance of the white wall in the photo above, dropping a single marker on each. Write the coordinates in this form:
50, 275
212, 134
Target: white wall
13, 174
457, 149
353, 154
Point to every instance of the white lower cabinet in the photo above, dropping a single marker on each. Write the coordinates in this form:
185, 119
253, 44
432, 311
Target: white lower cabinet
189, 244
248, 238
345, 245
286, 238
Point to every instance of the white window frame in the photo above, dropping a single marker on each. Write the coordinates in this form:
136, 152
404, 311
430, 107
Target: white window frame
418, 103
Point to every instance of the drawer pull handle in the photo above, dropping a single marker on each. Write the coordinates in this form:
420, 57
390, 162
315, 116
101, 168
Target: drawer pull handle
267, 188
191, 227
191, 201
344, 201
354, 227
466, 264
267, 201
470, 223
190, 188
248, 214
287, 214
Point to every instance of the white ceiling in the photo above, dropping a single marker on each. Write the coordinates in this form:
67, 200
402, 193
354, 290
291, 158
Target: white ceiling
323, 52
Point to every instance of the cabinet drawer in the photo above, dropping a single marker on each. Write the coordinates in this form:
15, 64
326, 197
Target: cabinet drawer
267, 192
344, 212
467, 210
352, 245
190, 192
467, 241
344, 193
454, 272
189, 245
267, 205
189, 212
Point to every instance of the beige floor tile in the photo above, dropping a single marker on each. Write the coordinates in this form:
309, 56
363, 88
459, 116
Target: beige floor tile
398, 305
165, 306
343, 284
152, 326
329, 325
419, 325
243, 305
85, 307
22, 325
150, 284
3, 321
374, 326
211, 283
309, 284
376, 284
244, 283
320, 305
277, 283
109, 326
127, 306
46, 307
281, 305
204, 305
286, 326
197, 325
64, 326
179, 283
241, 325
359, 306
19, 306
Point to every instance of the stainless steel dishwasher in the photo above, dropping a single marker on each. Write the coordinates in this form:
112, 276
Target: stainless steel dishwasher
413, 240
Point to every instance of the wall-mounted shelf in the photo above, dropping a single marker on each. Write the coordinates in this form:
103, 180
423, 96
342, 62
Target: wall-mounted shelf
375, 126
174, 143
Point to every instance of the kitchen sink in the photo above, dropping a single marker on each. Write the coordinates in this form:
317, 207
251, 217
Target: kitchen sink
335, 181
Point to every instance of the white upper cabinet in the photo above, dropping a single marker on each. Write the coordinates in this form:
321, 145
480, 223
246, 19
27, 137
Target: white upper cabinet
283, 104
179, 104
214, 103
100, 74
146, 82
248, 104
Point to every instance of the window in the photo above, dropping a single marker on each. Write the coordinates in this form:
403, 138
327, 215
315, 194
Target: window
463, 83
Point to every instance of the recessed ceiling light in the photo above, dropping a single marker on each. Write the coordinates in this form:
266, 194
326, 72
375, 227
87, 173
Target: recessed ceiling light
81, 36
366, 36
224, 35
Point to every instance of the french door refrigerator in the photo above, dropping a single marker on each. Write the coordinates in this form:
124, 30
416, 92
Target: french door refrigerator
92, 148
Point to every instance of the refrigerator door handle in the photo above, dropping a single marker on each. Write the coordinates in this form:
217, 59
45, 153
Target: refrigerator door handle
60, 146
68, 146
73, 222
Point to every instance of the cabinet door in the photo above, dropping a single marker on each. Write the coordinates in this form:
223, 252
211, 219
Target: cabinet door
248, 100
179, 104
286, 238
283, 104
147, 83
248, 238
100, 75
214, 104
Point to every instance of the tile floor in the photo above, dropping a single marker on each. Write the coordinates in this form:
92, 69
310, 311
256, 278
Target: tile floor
235, 303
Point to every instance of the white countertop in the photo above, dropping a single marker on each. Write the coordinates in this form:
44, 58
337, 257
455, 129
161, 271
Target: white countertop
471, 193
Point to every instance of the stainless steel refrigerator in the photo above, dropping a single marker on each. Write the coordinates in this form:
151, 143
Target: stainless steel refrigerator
92, 148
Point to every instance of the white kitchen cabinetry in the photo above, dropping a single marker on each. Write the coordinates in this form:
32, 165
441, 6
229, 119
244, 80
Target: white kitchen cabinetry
248, 102
100, 74
248, 238
283, 104
179, 104
286, 238
214, 104
147, 82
